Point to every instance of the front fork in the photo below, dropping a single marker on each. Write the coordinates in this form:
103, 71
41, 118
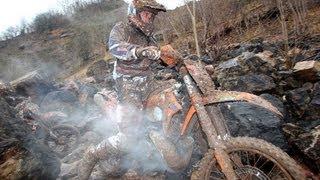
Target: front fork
209, 129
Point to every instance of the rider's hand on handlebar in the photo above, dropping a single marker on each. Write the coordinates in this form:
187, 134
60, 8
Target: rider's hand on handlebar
150, 52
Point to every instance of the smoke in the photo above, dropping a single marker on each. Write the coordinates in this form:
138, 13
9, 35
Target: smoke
14, 68
99, 117
131, 137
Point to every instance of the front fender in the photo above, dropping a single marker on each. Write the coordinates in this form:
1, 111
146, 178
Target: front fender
233, 96
228, 96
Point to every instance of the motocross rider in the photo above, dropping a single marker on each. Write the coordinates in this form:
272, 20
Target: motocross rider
135, 49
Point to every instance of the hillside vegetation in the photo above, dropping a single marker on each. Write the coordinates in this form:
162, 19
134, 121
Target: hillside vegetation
60, 44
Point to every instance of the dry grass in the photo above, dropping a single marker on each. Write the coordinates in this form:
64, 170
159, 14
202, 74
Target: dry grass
269, 29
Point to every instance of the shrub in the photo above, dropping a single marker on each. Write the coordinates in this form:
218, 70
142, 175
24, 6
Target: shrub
86, 8
83, 44
49, 21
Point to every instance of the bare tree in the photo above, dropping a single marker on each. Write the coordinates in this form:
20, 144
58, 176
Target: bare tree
284, 28
10, 33
194, 24
299, 14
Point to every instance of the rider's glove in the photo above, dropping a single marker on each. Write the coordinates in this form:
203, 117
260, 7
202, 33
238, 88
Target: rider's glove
150, 52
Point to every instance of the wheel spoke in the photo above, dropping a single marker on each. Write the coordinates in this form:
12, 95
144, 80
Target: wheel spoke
267, 160
257, 161
278, 172
271, 170
254, 159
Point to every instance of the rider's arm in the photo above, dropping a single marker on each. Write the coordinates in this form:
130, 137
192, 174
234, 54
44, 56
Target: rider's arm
118, 45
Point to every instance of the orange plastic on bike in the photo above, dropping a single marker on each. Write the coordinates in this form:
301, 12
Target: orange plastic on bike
187, 120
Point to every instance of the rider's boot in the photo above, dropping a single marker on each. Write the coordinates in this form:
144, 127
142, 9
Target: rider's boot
103, 151
176, 156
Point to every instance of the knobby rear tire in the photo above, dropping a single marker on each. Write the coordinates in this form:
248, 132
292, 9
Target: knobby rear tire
259, 146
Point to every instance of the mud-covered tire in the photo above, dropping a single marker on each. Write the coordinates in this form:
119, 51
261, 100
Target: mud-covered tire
262, 147
70, 141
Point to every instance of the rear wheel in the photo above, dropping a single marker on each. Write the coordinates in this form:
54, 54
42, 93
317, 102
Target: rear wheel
252, 159
63, 140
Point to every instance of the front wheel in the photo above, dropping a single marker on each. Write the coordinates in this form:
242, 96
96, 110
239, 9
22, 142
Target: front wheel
251, 159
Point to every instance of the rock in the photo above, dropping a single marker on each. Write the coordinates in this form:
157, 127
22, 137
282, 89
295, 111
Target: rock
249, 83
7, 92
69, 171
22, 47
274, 101
75, 155
99, 70
89, 80
236, 50
64, 35
294, 52
90, 138
22, 156
209, 69
64, 101
267, 56
244, 119
34, 85
316, 95
307, 70
229, 64
298, 101
313, 111
206, 59
296, 55
245, 69
307, 142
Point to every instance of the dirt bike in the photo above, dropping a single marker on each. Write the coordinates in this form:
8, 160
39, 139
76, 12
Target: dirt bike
228, 157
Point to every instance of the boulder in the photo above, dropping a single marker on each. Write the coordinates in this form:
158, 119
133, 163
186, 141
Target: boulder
249, 83
244, 119
307, 142
267, 56
88, 139
298, 101
7, 92
247, 72
276, 102
64, 101
307, 70
35, 85
69, 171
313, 111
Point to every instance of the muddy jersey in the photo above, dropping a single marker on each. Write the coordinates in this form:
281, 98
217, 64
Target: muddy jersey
123, 41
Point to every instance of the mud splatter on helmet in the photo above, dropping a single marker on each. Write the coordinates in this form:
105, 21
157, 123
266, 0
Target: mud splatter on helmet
143, 5
148, 5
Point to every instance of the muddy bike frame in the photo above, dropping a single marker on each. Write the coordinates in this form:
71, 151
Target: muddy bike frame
202, 92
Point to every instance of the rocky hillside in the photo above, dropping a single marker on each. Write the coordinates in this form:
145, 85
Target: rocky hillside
34, 105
